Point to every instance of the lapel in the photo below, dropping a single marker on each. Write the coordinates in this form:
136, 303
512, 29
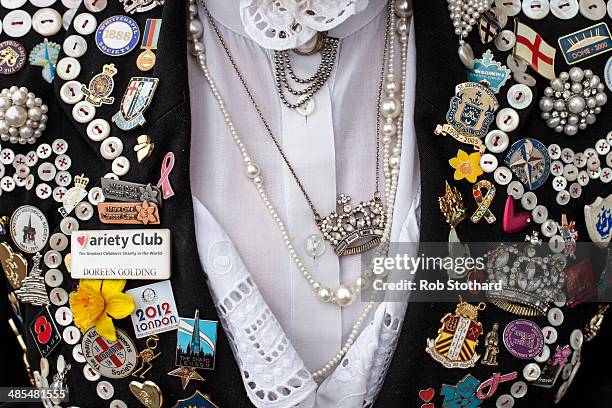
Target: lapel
168, 124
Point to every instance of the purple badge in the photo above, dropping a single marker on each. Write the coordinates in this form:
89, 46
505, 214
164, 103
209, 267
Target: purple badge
12, 57
523, 339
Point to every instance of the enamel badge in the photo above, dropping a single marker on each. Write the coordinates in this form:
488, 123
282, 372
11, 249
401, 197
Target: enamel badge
12, 57
196, 343
45, 55
471, 112
455, 345
196, 400
489, 72
100, 87
598, 218
586, 43
530, 162
135, 101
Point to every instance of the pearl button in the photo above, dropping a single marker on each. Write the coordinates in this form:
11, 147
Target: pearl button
58, 241
549, 228
111, 148
505, 40
63, 178
606, 175
556, 168
46, 171
31, 158
519, 96
67, 18
59, 146
95, 195
7, 184
98, 129
496, 141
560, 300
89, 373
7, 156
539, 214
609, 159
554, 151
43, 191
563, 197
95, 6
111, 176
22, 171
518, 389
567, 155
84, 23
502, 175
555, 316
12, 4
53, 278
105, 390
71, 92
516, 190
580, 160
68, 68
508, 7
507, 120
53, 259
544, 354
564, 10
77, 354
575, 190
594, 174
83, 112
524, 78
504, 401
84, 211
118, 404
68, 225
63, 162
46, 22
576, 339
71, 4
75, 46
532, 372
570, 172
63, 316
58, 296
536, 9
529, 201
121, 166
592, 9
71, 335
42, 3
59, 193
488, 163
559, 183
43, 151
17, 23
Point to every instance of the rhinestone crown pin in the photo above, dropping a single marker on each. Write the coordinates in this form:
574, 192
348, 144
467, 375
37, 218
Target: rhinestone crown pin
354, 230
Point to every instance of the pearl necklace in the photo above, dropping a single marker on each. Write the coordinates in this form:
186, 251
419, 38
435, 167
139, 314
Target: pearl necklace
344, 295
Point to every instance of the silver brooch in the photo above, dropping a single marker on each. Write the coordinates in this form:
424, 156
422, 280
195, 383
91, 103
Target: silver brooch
573, 100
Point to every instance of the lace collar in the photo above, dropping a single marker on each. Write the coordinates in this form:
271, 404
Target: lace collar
286, 24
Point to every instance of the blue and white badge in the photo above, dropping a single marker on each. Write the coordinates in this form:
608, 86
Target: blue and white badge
586, 43
117, 35
155, 310
135, 101
529, 161
608, 72
489, 72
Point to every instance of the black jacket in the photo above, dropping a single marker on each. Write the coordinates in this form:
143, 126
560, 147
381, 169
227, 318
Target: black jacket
168, 124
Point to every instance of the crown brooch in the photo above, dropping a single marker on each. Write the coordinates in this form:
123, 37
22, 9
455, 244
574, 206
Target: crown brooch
529, 282
354, 230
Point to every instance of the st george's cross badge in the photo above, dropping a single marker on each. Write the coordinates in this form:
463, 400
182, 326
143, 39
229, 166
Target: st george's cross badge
135, 101
598, 218
455, 345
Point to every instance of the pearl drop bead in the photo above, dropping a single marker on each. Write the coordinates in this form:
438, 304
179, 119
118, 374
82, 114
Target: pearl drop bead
344, 295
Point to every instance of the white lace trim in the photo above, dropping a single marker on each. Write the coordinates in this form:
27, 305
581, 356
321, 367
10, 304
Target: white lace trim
285, 24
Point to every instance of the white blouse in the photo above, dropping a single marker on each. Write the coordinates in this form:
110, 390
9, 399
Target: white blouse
278, 329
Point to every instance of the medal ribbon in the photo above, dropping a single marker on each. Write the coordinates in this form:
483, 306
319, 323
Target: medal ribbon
164, 182
151, 33
483, 201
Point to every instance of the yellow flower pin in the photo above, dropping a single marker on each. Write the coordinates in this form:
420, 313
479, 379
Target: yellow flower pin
466, 166
96, 302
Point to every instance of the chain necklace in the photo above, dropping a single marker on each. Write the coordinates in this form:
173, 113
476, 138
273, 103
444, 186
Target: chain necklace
350, 230
282, 66
392, 130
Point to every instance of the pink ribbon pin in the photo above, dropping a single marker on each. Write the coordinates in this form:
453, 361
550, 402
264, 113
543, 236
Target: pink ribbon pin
164, 182
492, 383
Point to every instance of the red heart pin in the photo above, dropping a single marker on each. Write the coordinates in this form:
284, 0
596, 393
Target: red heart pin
81, 240
427, 395
514, 222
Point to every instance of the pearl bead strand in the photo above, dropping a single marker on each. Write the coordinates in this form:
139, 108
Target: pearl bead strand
390, 108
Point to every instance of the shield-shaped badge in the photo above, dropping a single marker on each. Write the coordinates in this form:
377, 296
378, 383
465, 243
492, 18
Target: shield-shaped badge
598, 218
472, 109
135, 101
490, 25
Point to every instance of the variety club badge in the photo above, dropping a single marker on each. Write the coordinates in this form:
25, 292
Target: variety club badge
155, 310
121, 254
196, 343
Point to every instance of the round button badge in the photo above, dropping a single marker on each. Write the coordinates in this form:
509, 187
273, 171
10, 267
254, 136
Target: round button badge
14, 57
117, 35
112, 359
523, 339
29, 229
